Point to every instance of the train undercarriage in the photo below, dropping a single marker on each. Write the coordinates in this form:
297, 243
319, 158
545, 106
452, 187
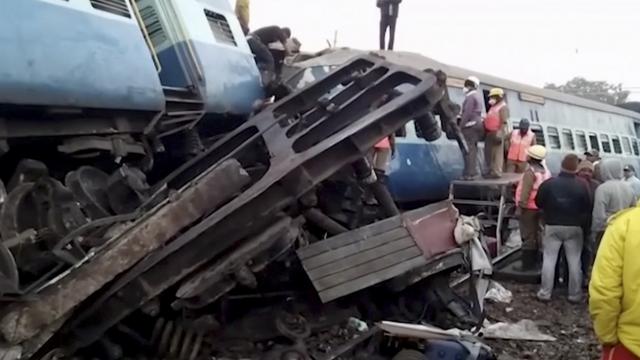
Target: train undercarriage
206, 262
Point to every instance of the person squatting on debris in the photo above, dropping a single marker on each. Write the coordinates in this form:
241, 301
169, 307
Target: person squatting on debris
471, 126
520, 140
388, 19
614, 294
585, 174
565, 203
631, 179
526, 192
495, 125
259, 41
613, 195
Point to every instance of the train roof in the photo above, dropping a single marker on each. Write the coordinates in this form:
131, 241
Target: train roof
339, 56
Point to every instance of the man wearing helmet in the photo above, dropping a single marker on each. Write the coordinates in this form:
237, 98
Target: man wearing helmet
530, 216
471, 126
495, 125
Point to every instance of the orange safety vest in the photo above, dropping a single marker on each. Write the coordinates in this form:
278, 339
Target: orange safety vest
540, 178
519, 144
492, 122
383, 144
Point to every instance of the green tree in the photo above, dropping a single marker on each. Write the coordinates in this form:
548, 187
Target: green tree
595, 90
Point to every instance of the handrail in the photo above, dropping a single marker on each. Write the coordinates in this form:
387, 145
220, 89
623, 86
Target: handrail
192, 53
147, 38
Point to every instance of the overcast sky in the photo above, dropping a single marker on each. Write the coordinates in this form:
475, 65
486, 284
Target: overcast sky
531, 41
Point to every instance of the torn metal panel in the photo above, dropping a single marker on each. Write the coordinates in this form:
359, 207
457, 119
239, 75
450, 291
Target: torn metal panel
22, 321
406, 244
431, 227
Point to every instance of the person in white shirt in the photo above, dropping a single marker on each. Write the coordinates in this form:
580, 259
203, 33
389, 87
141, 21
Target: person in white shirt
631, 178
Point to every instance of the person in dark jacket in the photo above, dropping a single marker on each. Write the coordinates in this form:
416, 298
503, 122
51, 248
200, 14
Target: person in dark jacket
471, 126
565, 204
585, 173
388, 19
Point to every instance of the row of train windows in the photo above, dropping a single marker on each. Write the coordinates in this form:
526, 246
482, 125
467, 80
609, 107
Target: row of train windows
581, 141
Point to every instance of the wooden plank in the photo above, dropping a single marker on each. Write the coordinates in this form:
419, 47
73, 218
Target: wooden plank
366, 269
361, 258
371, 279
350, 237
354, 248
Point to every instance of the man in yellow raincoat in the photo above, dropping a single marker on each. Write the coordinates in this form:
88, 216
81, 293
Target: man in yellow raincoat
614, 289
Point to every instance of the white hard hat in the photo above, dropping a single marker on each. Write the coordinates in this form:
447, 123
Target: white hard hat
474, 80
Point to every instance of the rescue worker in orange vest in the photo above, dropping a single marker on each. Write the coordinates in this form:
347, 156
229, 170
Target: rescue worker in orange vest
382, 154
530, 217
495, 125
520, 140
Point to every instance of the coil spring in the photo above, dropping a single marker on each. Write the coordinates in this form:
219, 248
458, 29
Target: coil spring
193, 143
172, 341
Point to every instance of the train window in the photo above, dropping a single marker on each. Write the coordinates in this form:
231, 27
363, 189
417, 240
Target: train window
537, 118
567, 139
554, 138
634, 143
220, 28
116, 7
617, 148
581, 139
593, 141
537, 130
626, 145
606, 146
152, 23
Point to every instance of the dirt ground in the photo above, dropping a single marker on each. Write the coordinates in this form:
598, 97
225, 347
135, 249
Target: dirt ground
569, 323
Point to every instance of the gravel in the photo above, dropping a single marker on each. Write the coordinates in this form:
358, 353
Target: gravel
569, 323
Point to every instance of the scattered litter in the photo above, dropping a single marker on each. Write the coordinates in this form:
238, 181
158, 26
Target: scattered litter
426, 332
508, 310
358, 324
498, 293
522, 330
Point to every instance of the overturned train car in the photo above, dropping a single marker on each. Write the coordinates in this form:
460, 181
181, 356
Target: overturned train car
122, 236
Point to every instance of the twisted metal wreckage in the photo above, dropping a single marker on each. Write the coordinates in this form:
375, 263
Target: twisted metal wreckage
228, 242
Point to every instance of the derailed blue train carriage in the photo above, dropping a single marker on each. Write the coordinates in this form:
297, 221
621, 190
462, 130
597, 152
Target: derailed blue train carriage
95, 96
421, 171
86, 72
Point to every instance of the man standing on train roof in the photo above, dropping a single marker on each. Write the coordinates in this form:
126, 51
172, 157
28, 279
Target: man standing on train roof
388, 18
526, 192
614, 291
631, 179
520, 140
495, 125
471, 126
564, 202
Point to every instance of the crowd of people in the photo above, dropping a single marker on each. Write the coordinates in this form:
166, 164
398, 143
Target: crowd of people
588, 210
